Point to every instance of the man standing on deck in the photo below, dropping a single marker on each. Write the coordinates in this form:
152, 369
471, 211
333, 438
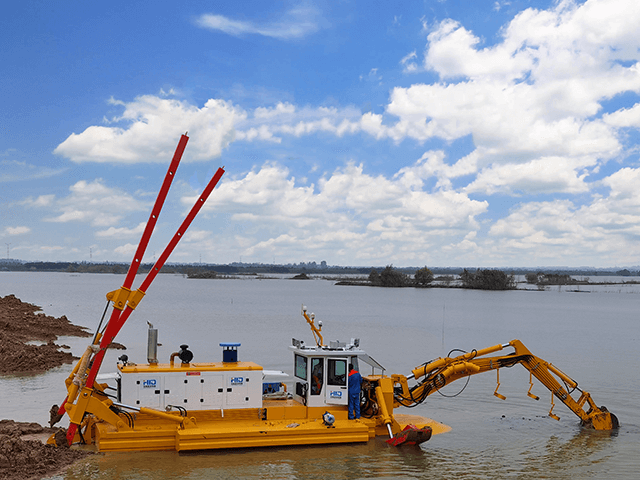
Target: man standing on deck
355, 384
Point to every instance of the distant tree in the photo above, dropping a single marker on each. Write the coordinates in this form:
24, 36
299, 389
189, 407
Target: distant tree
533, 278
390, 277
467, 278
374, 278
487, 280
423, 276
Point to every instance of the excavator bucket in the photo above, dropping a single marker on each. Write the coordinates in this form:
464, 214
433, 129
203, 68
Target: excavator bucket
603, 420
411, 435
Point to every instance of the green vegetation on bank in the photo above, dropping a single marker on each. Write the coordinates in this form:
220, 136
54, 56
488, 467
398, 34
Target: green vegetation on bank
184, 269
480, 279
389, 276
487, 280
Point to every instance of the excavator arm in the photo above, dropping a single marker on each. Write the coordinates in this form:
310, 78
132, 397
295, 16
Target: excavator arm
434, 375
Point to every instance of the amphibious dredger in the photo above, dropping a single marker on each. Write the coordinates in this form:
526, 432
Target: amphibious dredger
231, 404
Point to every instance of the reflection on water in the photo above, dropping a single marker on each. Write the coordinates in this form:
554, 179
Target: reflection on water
582, 455
591, 337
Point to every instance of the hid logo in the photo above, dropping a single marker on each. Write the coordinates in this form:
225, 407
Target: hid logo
151, 383
337, 394
236, 380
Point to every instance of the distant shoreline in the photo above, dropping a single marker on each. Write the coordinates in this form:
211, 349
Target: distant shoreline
311, 268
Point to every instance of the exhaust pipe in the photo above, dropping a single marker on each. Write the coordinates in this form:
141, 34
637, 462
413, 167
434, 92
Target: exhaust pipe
152, 345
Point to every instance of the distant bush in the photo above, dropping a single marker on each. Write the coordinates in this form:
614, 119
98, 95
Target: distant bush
487, 280
201, 274
423, 277
555, 279
389, 277
533, 278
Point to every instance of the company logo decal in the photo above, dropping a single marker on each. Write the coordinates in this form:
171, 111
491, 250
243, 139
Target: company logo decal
336, 394
151, 383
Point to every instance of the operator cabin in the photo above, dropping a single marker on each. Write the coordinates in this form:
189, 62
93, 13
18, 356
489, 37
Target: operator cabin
321, 371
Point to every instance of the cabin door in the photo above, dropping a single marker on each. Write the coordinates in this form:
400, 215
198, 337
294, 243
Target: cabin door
336, 392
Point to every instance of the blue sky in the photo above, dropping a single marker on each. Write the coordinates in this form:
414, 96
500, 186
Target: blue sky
440, 133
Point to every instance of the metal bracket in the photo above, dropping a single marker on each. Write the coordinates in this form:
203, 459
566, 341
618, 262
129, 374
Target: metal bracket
119, 297
551, 414
529, 394
500, 396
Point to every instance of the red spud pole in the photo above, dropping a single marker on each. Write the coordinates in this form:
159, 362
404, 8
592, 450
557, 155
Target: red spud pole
117, 321
142, 246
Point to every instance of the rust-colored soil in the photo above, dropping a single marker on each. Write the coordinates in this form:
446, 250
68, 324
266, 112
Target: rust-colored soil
31, 459
23, 322
23, 455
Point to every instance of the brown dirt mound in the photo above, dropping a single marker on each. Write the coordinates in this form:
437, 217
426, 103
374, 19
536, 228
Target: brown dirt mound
22, 322
31, 459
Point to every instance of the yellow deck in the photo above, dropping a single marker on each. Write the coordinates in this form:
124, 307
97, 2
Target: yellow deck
287, 423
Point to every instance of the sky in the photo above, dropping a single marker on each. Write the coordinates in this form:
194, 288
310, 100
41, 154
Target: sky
435, 132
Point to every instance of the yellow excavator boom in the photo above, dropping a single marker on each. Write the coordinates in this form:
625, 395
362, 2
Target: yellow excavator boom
434, 375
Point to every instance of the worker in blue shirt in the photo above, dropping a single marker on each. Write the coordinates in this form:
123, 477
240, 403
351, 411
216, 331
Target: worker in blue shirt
355, 384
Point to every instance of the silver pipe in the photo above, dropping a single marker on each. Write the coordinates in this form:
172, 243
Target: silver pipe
122, 405
389, 429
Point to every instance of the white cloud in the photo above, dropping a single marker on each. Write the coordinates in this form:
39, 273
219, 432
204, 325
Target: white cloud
533, 95
353, 217
196, 236
625, 117
122, 232
126, 250
624, 189
544, 175
349, 214
269, 124
39, 202
603, 232
96, 204
150, 128
432, 164
408, 62
453, 52
16, 171
281, 109
302, 20
17, 230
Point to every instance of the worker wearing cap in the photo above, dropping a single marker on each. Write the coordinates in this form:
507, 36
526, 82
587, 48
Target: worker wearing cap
355, 384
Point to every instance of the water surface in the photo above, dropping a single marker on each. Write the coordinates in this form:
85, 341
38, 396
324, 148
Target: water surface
590, 336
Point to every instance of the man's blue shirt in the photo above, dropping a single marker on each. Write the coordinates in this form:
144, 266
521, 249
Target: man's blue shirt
355, 382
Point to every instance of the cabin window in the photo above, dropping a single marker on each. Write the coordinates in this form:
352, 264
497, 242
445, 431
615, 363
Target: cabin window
354, 362
317, 374
300, 367
337, 372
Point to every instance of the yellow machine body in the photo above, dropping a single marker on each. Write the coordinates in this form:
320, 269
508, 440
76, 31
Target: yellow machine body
279, 419
232, 404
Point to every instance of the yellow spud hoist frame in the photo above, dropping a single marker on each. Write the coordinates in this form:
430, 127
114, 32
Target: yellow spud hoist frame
434, 375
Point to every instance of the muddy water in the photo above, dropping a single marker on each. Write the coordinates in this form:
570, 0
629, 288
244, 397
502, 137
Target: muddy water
590, 336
